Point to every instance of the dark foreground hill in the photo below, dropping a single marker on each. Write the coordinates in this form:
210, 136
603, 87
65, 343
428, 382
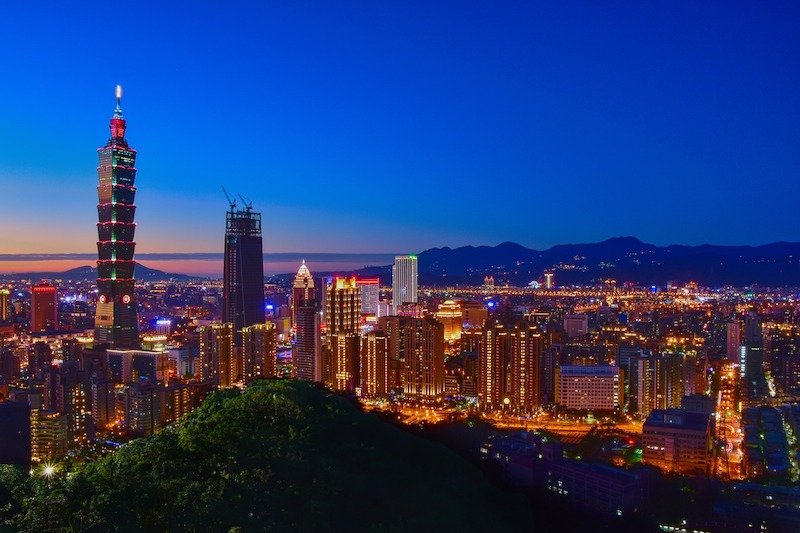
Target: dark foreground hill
284, 455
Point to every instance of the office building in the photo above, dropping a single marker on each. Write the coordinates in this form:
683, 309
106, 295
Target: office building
259, 350
451, 317
576, 325
374, 364
5, 305
243, 270
528, 345
370, 296
495, 350
307, 350
678, 441
733, 340
217, 361
342, 322
404, 280
423, 358
590, 388
302, 289
44, 308
116, 313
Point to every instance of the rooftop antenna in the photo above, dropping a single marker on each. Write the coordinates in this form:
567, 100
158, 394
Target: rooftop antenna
231, 201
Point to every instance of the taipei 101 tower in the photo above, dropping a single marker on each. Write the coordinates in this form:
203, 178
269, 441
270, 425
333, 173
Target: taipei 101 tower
115, 319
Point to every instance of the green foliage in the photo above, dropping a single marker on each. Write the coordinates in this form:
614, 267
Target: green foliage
283, 455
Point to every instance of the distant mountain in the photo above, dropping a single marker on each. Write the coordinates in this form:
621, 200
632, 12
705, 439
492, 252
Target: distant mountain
621, 258
84, 273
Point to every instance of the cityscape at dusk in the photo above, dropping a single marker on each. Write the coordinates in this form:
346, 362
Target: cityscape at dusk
384, 267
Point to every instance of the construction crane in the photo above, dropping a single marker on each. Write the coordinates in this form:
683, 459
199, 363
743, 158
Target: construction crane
231, 201
247, 205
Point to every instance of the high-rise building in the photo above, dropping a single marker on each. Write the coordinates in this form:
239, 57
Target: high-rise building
527, 350
404, 280
374, 364
450, 315
495, 349
424, 358
342, 321
307, 351
370, 295
259, 349
116, 316
217, 361
243, 271
752, 359
302, 289
5, 305
44, 309
733, 340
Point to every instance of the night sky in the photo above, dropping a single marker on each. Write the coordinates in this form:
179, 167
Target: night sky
398, 126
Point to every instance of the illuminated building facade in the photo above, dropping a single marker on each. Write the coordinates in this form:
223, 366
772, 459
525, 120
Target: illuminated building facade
5, 305
259, 349
450, 315
217, 361
116, 316
528, 346
374, 364
307, 350
678, 441
243, 270
44, 309
404, 280
302, 289
424, 358
495, 348
342, 321
595, 388
370, 296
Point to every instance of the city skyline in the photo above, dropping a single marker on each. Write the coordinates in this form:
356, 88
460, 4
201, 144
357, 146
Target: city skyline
549, 108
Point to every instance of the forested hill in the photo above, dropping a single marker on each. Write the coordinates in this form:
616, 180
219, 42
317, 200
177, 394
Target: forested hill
281, 456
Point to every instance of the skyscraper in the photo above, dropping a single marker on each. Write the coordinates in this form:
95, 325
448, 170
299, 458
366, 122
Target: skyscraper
374, 364
307, 351
342, 321
116, 318
5, 305
218, 364
302, 289
44, 312
424, 358
243, 272
404, 281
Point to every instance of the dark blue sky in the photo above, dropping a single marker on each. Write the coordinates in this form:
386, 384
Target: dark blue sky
397, 126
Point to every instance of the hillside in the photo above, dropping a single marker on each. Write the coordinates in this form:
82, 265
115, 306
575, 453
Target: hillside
284, 455
621, 258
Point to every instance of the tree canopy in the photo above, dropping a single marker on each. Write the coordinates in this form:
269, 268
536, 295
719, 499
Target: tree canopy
282, 455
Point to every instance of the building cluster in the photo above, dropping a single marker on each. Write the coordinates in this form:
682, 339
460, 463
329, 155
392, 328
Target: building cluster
121, 357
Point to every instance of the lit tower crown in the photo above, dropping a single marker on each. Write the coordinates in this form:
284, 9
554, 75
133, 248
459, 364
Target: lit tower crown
116, 317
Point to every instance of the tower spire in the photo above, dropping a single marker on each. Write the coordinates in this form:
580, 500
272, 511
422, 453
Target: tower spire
118, 109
